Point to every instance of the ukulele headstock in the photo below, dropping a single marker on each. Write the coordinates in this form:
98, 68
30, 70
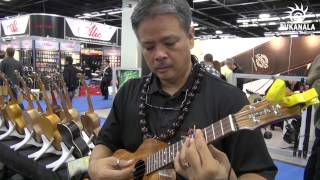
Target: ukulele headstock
263, 113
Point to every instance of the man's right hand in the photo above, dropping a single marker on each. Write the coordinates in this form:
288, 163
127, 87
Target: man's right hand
111, 168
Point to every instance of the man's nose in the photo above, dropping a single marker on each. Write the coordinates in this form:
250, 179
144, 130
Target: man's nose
160, 53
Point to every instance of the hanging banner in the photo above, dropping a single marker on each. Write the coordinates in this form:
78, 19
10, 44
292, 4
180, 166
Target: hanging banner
47, 26
47, 45
15, 26
70, 46
89, 30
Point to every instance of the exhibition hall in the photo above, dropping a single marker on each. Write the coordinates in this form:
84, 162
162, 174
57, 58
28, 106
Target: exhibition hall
159, 89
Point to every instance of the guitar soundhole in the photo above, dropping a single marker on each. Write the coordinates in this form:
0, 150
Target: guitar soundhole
140, 170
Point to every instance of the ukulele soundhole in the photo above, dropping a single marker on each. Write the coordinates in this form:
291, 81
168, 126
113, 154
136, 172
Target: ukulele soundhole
140, 170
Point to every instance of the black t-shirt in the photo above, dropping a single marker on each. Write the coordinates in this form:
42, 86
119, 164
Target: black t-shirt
216, 99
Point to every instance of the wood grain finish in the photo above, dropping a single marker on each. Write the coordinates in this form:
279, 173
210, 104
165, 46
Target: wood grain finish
90, 120
13, 109
149, 146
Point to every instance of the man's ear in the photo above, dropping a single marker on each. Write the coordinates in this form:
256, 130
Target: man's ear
191, 37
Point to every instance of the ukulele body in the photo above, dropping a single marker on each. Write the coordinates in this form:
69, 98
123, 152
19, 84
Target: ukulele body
91, 123
48, 125
14, 113
32, 118
148, 147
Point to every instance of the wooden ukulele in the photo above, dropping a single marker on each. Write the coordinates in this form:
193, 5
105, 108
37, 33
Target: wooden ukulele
55, 106
74, 113
13, 109
70, 131
50, 120
90, 120
30, 115
154, 155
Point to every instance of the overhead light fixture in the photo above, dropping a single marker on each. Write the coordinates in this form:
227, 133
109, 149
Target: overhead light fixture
7, 0
86, 14
115, 12
264, 15
196, 1
218, 32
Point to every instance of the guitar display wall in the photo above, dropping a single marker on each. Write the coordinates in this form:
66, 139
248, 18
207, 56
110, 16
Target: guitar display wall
26, 57
47, 61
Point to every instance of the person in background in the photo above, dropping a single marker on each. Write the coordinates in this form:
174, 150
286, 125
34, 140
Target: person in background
312, 169
208, 62
217, 66
235, 69
106, 80
70, 77
178, 95
8, 66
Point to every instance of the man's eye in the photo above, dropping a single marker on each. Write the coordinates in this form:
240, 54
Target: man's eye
149, 48
171, 43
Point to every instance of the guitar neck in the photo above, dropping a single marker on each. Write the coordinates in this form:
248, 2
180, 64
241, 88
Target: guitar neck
90, 109
45, 97
64, 105
211, 133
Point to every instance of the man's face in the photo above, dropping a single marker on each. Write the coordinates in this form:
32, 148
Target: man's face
166, 46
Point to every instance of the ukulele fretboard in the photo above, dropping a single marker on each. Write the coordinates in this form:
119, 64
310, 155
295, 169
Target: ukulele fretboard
166, 156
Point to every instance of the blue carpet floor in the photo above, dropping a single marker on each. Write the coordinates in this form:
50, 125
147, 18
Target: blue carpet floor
81, 104
288, 171
285, 171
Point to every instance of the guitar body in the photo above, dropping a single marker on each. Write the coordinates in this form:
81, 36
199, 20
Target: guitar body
148, 147
71, 136
48, 126
32, 117
74, 114
14, 113
3, 116
91, 123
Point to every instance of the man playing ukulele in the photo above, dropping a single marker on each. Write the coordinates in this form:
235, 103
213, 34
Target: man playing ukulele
177, 95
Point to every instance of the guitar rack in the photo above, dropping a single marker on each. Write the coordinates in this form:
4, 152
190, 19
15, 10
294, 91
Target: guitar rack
46, 145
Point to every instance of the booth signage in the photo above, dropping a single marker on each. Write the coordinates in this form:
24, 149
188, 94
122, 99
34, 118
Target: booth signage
15, 26
70, 46
297, 16
47, 26
26, 44
89, 30
47, 45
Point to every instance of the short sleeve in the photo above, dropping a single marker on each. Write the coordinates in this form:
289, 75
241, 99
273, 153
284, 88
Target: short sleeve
110, 133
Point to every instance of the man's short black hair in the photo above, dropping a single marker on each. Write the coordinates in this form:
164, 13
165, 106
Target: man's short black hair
10, 52
69, 60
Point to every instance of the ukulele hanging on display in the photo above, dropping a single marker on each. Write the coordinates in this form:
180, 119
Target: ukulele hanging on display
13, 109
90, 120
50, 120
70, 131
30, 115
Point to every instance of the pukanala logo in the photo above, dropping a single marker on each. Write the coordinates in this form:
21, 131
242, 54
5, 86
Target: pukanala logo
297, 16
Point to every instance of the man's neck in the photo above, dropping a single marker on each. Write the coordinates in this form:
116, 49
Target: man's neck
171, 87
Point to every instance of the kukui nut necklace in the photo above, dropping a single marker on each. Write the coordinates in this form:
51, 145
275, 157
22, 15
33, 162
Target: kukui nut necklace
184, 108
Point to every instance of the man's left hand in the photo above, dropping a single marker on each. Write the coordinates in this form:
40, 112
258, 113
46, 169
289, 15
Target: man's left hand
197, 161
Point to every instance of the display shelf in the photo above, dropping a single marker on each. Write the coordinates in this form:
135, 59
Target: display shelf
47, 61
